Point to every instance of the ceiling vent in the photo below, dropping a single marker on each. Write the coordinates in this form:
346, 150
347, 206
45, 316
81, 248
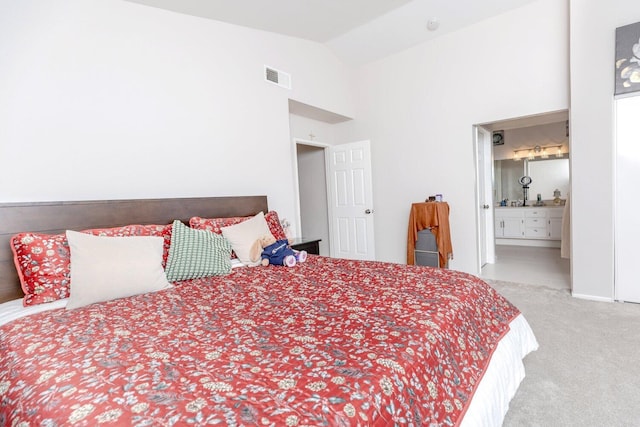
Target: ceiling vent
277, 77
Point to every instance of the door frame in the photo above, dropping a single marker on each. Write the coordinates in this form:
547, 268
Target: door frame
482, 139
296, 184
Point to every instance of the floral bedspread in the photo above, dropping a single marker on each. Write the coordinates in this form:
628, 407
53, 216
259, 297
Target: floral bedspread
328, 342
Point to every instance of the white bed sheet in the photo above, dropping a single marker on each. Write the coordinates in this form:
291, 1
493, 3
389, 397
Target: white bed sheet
490, 402
14, 309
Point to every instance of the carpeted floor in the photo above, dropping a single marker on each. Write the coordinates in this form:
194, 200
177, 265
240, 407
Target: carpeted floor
587, 369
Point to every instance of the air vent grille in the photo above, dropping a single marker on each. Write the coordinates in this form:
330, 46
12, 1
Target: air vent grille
272, 75
277, 77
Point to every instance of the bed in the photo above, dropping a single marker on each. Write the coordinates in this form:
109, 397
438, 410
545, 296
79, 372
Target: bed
327, 342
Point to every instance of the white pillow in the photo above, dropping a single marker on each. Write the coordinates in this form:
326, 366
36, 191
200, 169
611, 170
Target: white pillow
106, 268
242, 236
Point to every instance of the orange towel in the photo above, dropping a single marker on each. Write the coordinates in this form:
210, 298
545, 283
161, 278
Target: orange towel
436, 216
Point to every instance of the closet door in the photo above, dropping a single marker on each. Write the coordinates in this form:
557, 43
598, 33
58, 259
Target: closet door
627, 201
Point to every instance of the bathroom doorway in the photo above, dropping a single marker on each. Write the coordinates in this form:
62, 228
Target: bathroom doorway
531, 183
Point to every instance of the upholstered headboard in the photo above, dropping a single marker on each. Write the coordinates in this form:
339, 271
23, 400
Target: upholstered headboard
56, 217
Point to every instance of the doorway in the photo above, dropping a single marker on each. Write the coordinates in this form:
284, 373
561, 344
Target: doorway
527, 248
484, 179
313, 208
335, 197
530, 265
332, 184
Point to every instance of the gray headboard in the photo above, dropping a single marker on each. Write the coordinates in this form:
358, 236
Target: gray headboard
56, 217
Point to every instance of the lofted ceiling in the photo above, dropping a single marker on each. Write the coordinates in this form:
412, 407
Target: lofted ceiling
358, 31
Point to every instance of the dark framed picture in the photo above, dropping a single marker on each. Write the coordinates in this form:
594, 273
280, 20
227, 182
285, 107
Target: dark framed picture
498, 137
627, 59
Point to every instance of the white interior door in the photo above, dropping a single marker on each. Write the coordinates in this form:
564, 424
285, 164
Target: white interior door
627, 226
351, 201
486, 243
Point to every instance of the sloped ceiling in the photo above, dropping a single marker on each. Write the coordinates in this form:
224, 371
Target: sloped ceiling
358, 31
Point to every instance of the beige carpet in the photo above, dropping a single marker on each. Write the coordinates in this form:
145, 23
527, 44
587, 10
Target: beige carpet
587, 369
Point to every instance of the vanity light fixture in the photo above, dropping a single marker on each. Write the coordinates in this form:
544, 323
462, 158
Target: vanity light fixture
532, 152
544, 154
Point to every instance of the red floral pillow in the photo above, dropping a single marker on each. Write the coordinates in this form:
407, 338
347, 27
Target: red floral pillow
42, 260
215, 224
274, 225
163, 231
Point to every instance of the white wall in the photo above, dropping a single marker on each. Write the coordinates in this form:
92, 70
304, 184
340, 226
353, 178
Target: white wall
419, 107
529, 137
112, 99
593, 25
303, 128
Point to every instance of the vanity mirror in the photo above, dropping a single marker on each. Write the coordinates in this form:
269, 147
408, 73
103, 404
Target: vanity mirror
547, 175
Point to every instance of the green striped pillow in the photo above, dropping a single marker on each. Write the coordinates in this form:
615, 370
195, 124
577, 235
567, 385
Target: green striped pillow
196, 253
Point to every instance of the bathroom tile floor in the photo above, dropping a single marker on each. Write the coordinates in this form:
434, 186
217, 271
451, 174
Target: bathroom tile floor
531, 265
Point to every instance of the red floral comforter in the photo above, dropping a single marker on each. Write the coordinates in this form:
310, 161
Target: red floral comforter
328, 342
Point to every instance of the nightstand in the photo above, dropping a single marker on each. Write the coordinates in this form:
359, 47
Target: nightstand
303, 244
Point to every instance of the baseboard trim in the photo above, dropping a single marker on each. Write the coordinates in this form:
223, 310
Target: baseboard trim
529, 242
591, 297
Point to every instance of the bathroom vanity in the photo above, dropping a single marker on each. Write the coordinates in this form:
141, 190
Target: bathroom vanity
529, 225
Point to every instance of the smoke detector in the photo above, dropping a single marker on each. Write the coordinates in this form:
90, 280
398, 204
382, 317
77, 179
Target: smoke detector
433, 24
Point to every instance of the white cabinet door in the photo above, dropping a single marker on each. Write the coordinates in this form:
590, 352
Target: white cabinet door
513, 227
555, 228
499, 230
510, 223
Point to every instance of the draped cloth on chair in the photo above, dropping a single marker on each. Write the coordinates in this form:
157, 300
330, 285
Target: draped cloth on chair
433, 215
